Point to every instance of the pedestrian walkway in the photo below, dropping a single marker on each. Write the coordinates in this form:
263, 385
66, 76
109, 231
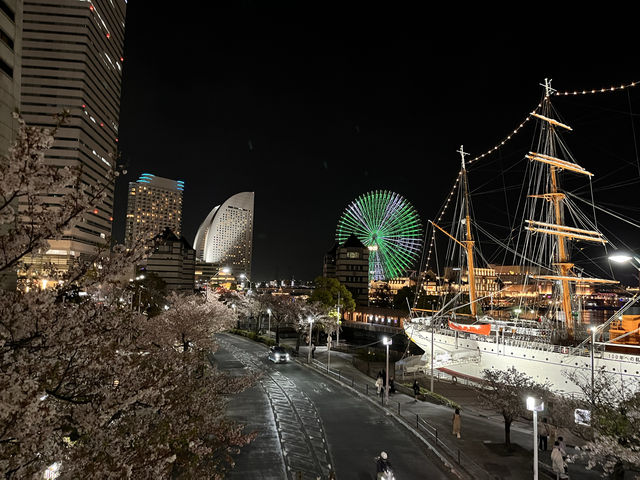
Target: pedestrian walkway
478, 450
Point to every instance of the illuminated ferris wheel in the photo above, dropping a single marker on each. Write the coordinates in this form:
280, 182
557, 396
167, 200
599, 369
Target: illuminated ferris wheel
389, 225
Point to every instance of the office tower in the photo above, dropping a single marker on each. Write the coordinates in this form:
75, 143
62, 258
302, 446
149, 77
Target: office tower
226, 235
10, 59
154, 204
72, 60
173, 260
352, 268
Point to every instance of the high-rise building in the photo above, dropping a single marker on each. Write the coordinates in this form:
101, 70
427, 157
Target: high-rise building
352, 268
10, 60
226, 235
72, 60
173, 260
154, 204
10, 71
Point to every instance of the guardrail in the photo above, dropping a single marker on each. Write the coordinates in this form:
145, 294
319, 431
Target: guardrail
428, 431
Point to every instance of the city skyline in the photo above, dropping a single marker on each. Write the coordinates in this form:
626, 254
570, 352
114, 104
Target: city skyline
312, 124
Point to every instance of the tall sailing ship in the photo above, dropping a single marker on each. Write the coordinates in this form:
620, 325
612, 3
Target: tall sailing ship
547, 342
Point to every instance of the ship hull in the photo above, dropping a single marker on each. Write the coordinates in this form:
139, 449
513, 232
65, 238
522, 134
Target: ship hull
466, 356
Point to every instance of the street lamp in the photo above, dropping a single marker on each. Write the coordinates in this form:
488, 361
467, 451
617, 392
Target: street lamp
244, 276
387, 341
535, 405
593, 347
310, 320
620, 257
269, 313
339, 322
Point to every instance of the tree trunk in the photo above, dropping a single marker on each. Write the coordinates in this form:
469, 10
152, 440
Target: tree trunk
277, 334
298, 343
507, 432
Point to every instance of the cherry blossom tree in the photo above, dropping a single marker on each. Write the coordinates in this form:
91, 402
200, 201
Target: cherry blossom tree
85, 381
506, 391
613, 434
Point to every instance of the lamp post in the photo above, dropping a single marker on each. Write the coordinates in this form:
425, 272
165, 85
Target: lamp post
246, 277
310, 320
593, 347
386, 341
339, 322
269, 313
433, 318
140, 287
535, 405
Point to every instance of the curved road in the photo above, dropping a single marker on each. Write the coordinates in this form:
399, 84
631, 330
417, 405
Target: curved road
308, 425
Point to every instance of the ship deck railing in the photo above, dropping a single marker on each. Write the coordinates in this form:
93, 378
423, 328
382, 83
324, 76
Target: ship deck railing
522, 341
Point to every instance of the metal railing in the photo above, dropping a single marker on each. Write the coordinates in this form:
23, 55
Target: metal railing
428, 431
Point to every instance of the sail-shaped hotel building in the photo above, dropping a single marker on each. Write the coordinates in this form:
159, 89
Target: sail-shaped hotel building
225, 238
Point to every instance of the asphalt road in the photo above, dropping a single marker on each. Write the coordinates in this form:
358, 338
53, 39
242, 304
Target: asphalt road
309, 425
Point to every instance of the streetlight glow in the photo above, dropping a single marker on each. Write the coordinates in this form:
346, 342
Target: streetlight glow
620, 258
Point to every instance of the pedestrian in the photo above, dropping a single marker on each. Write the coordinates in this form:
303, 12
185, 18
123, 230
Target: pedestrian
392, 387
557, 462
543, 435
553, 434
378, 385
313, 350
416, 390
456, 422
563, 447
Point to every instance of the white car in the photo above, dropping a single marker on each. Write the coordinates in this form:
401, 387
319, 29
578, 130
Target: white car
278, 354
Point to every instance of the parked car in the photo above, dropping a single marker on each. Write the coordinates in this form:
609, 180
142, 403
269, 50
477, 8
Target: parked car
278, 354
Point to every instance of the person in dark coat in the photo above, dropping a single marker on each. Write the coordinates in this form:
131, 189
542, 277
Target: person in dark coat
382, 464
543, 435
392, 387
416, 390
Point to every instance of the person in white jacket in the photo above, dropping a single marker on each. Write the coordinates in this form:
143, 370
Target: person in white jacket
557, 462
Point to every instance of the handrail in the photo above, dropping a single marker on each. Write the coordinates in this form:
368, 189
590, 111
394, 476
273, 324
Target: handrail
422, 426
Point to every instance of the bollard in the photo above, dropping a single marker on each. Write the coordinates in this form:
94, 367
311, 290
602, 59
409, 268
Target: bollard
398, 408
339, 376
436, 437
351, 382
458, 456
417, 421
367, 389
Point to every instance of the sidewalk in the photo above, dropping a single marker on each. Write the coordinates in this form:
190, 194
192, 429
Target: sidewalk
482, 429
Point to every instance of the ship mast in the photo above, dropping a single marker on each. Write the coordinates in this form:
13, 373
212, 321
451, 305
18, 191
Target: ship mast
468, 243
562, 232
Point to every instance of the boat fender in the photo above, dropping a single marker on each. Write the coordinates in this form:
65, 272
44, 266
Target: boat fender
454, 379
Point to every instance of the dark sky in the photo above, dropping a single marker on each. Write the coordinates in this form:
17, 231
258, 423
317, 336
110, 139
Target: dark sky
311, 112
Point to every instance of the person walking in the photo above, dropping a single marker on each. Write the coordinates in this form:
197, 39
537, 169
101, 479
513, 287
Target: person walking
416, 390
392, 386
543, 435
553, 434
456, 423
563, 447
313, 350
557, 462
378, 385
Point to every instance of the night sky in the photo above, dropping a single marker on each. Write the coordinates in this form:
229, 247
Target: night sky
311, 112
